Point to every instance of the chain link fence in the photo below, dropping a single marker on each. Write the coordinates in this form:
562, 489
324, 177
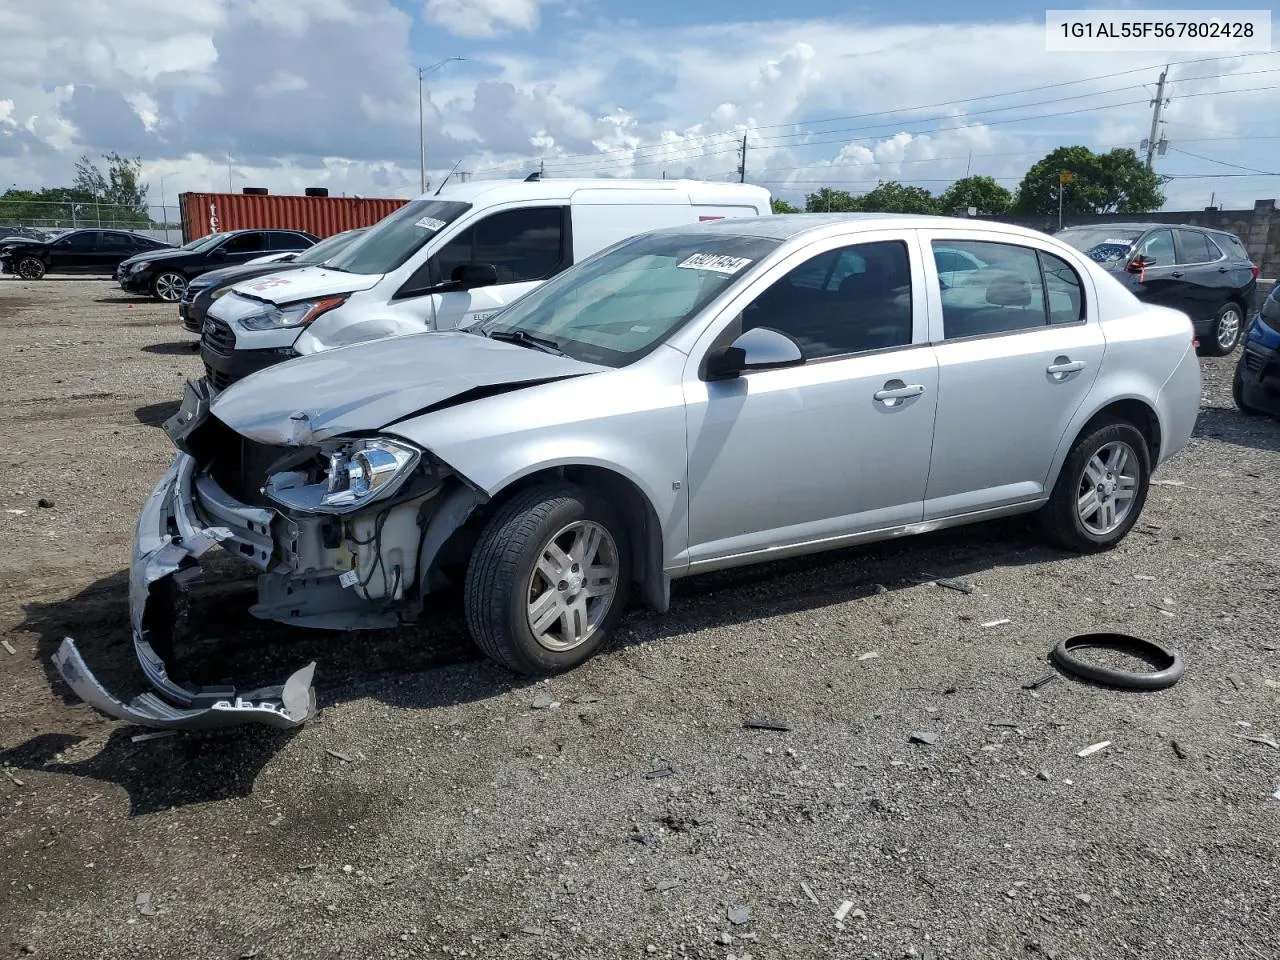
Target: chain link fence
160, 222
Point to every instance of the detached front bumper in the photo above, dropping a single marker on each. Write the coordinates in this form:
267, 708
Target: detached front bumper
171, 536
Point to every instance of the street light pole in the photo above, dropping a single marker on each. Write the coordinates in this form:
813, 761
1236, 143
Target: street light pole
422, 126
164, 210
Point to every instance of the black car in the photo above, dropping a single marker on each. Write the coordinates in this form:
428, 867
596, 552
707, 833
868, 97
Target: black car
76, 252
166, 275
208, 287
1207, 274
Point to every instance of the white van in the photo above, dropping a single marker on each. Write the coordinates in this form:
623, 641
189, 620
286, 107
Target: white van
447, 258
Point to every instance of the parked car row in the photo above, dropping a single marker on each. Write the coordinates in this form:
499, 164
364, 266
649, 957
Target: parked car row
165, 274
557, 395
74, 252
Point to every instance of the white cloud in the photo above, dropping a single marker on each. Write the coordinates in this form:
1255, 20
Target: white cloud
483, 18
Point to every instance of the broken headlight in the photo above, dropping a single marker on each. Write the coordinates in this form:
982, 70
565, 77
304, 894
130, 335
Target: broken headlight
359, 472
291, 314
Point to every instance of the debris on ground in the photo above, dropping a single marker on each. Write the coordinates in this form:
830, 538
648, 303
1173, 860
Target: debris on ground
842, 911
17, 513
153, 735
808, 893
543, 702
142, 903
44, 503
1043, 775
585, 698
927, 737
1265, 741
1143, 576
1094, 748
664, 885
532, 931
997, 623
765, 724
739, 915
660, 773
960, 586
869, 655
8, 647
1037, 684
8, 773
1178, 749
1235, 681
1168, 483
881, 588
339, 755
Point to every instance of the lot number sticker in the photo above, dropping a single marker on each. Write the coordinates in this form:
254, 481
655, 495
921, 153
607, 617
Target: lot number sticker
429, 223
715, 262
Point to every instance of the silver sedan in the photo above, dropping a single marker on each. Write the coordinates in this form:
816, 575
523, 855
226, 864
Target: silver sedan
685, 401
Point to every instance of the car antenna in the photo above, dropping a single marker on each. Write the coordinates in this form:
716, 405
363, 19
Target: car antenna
446, 179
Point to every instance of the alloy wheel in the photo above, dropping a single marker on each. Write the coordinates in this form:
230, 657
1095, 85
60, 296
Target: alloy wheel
1107, 488
169, 287
1228, 332
30, 269
573, 585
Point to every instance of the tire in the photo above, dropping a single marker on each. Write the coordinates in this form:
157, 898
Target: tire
504, 573
29, 268
1061, 520
1228, 331
168, 287
1237, 391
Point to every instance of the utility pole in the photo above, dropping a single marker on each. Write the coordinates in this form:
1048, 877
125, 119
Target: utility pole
1158, 104
742, 167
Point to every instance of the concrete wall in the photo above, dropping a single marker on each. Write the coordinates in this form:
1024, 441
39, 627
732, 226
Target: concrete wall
1258, 228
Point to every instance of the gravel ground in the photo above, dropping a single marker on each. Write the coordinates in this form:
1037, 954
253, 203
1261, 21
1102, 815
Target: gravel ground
430, 810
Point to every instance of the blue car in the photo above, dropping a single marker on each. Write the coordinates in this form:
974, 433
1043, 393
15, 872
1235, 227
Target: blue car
1256, 386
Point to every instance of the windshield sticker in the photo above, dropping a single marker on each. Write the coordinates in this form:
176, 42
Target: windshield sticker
429, 223
1118, 243
715, 262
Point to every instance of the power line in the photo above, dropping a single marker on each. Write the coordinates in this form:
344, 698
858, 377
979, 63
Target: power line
1265, 173
685, 142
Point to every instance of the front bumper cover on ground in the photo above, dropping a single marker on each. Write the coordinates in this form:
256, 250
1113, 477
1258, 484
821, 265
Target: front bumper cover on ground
158, 554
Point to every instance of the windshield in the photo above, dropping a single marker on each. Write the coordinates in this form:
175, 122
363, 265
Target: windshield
619, 305
328, 247
394, 239
200, 243
1102, 245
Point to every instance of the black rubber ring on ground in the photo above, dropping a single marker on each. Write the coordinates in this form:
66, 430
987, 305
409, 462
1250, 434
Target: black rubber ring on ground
1166, 676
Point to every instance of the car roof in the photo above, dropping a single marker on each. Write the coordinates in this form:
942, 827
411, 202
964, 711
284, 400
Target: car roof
1147, 225
501, 191
791, 225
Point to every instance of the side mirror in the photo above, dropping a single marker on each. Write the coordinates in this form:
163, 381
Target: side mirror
467, 276
758, 349
1138, 264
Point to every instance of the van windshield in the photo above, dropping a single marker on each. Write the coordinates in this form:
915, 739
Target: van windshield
622, 303
394, 239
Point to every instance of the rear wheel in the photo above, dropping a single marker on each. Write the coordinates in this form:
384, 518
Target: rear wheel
1237, 390
548, 579
30, 268
1101, 489
1227, 329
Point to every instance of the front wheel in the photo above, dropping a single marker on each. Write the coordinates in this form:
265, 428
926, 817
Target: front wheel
1227, 329
548, 579
30, 268
169, 287
1101, 489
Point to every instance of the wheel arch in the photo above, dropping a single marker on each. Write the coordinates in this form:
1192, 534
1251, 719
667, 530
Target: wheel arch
1133, 409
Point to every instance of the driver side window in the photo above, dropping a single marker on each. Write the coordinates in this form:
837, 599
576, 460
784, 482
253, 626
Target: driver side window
1158, 247
848, 300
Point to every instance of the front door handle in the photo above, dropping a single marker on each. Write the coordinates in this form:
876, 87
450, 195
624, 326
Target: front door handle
1176, 275
1062, 367
896, 390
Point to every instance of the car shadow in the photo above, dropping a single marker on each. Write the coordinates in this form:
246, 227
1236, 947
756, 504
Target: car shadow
1241, 429
124, 298
179, 348
155, 414
429, 665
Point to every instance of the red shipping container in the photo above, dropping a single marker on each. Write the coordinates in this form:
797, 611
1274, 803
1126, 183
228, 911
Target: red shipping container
205, 213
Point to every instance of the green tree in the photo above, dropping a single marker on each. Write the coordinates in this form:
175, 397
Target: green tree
890, 196
827, 200
1112, 182
981, 192
121, 185
781, 206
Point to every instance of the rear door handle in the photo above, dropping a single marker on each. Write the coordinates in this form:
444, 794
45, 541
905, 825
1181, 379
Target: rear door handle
1176, 275
906, 390
1063, 367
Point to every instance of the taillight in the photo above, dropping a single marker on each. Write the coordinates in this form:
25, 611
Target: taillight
1255, 272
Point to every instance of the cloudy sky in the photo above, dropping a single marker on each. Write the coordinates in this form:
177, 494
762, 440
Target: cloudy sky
324, 92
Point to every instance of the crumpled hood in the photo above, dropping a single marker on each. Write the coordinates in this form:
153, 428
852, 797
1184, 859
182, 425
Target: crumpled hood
367, 386
306, 283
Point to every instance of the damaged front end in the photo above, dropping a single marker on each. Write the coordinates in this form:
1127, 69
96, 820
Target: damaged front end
335, 528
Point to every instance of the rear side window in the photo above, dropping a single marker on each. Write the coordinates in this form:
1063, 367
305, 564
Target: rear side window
989, 288
288, 241
1233, 246
245, 243
1195, 248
